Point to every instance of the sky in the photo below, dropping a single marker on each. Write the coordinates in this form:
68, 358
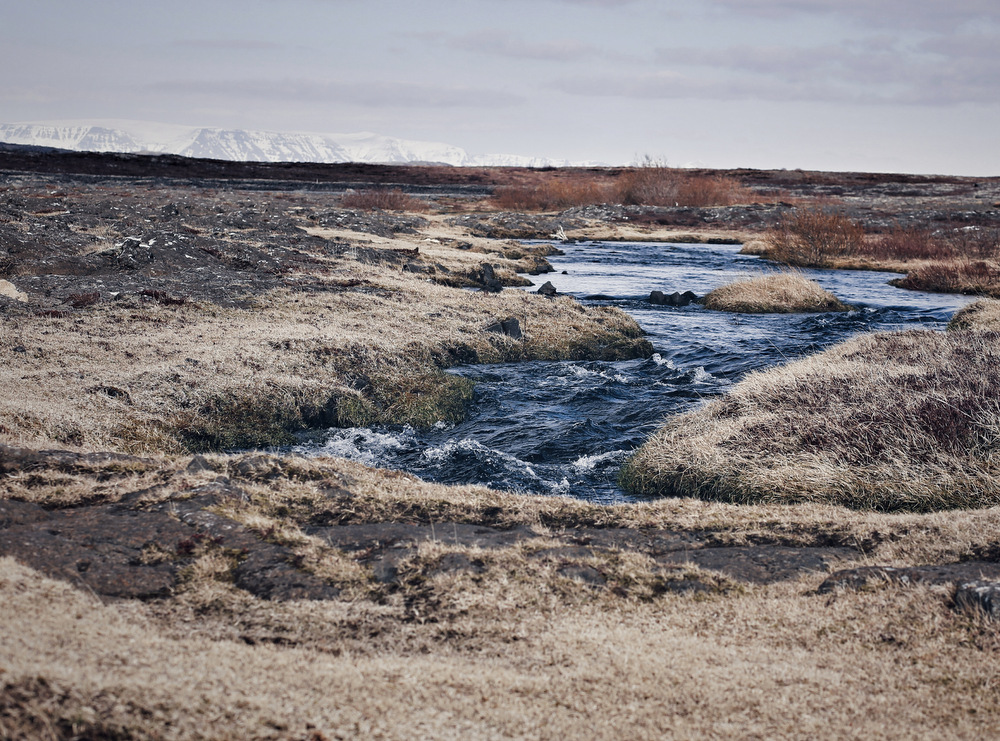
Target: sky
869, 85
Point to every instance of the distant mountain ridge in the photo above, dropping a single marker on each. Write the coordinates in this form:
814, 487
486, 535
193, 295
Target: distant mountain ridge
242, 145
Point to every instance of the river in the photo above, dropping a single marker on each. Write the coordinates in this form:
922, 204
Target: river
566, 427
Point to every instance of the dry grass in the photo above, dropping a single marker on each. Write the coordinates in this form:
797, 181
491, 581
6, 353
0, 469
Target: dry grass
552, 195
369, 347
776, 663
971, 277
386, 199
517, 650
776, 293
649, 184
907, 421
960, 260
983, 315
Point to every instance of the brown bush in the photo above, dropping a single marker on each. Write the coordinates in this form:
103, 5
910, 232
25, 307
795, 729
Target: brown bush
654, 184
551, 195
975, 242
907, 244
813, 238
386, 199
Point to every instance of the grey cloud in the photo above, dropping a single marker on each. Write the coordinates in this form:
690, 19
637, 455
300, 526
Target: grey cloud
935, 86
227, 44
369, 94
939, 71
503, 44
926, 14
677, 87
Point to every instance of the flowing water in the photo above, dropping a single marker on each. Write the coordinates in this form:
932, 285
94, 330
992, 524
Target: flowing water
566, 427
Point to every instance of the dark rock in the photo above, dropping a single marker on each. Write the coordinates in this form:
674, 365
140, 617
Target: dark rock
979, 595
419, 267
508, 327
488, 277
868, 576
674, 299
266, 573
102, 548
14, 513
599, 297
451, 563
547, 289
14, 459
257, 468
198, 464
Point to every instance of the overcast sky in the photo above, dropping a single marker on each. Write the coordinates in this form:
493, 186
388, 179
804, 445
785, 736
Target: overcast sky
877, 85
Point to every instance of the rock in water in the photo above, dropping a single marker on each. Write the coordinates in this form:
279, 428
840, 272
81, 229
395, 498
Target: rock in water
674, 299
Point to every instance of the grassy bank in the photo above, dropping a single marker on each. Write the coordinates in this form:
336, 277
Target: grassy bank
148, 376
773, 293
892, 421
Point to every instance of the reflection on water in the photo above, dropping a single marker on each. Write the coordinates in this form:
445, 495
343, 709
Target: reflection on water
566, 427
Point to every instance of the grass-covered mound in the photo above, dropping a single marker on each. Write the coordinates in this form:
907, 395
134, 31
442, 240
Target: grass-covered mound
773, 293
983, 314
888, 421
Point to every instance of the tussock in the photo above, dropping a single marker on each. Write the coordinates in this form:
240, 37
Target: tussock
904, 421
780, 293
981, 315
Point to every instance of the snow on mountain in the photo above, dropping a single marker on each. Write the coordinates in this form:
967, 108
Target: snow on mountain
248, 146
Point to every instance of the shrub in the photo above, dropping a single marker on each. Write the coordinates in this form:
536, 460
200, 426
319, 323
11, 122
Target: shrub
974, 241
386, 199
907, 244
775, 293
551, 195
813, 238
652, 183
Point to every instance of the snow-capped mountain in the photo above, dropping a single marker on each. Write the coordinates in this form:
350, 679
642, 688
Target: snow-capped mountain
249, 146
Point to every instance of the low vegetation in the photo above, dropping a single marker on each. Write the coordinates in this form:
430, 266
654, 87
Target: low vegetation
649, 184
893, 421
386, 199
957, 260
773, 293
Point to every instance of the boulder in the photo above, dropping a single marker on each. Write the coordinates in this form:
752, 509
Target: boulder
9, 290
547, 289
488, 277
674, 299
508, 327
979, 595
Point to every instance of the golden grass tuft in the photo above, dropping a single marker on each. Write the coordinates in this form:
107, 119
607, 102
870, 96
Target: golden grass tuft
774, 293
889, 421
981, 315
